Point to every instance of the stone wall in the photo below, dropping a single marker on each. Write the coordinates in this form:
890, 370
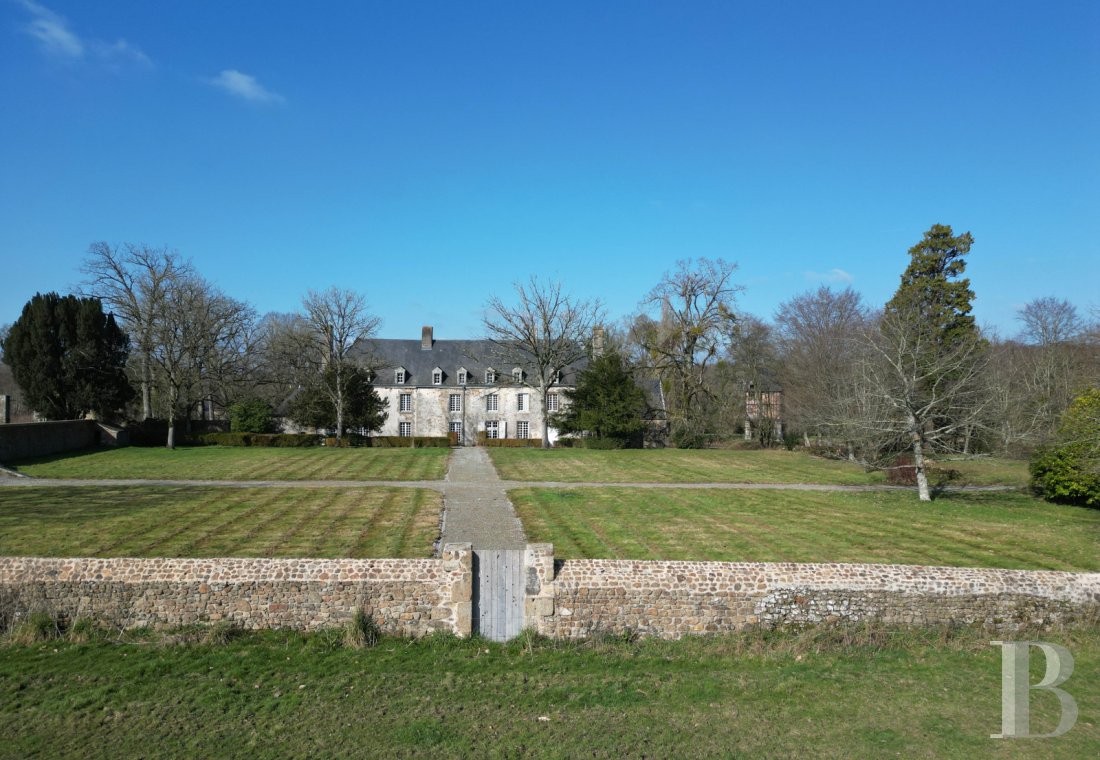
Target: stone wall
39, 439
671, 599
406, 596
570, 599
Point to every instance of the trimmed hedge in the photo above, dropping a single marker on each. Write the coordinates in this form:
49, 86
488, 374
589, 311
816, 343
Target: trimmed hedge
415, 442
507, 443
602, 444
267, 440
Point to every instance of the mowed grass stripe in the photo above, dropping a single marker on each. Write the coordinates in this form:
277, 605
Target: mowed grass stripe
964, 529
211, 521
242, 463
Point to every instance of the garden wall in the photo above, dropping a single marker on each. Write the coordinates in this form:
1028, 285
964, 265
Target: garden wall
406, 596
39, 439
578, 598
564, 599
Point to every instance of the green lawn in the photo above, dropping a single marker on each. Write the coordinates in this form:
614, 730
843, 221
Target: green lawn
675, 466
969, 529
136, 521
243, 463
723, 466
278, 694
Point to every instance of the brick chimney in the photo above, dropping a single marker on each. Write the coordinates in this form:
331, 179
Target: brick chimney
426, 338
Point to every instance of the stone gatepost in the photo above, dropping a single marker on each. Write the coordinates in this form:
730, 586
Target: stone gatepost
538, 603
458, 560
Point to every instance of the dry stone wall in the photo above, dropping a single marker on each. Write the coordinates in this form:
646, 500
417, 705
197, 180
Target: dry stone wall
672, 599
405, 596
563, 599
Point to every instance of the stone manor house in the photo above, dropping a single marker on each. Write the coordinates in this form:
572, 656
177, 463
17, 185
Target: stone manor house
435, 387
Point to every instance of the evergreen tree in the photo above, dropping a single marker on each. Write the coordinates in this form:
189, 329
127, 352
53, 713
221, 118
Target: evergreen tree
314, 404
68, 357
606, 402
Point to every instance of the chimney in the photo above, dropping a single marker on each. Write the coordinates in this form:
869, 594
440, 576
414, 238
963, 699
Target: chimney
598, 335
426, 338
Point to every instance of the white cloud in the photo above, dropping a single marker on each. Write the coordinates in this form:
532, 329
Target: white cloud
57, 39
52, 32
246, 87
833, 275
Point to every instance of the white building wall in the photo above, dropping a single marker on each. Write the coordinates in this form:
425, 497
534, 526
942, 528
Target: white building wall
430, 414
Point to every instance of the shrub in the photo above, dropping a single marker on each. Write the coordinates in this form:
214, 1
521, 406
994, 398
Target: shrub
251, 416
34, 628
405, 442
1069, 471
507, 443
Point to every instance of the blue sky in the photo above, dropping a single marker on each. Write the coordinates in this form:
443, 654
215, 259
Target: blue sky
429, 154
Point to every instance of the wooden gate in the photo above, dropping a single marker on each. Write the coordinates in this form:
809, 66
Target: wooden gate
498, 593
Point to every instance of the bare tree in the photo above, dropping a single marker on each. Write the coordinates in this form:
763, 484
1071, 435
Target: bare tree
334, 322
820, 339
1048, 321
194, 337
542, 333
696, 303
916, 386
752, 352
134, 282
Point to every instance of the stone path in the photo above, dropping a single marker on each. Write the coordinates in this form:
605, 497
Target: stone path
476, 508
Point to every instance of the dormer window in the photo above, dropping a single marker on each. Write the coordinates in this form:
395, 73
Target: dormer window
490, 376
463, 376
437, 376
517, 375
399, 376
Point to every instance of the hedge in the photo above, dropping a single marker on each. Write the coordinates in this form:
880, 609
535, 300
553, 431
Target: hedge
268, 440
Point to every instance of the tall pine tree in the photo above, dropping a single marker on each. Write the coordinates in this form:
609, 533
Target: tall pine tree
606, 403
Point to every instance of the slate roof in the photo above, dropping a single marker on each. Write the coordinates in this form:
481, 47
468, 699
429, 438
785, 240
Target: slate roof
387, 354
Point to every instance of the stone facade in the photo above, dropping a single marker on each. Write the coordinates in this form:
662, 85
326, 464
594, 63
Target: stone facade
672, 599
406, 596
569, 599
465, 383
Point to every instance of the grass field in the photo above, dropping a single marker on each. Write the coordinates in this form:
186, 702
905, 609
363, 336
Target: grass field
963, 529
726, 466
218, 522
242, 463
822, 693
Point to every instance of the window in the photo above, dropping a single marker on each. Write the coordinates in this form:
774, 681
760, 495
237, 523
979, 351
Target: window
492, 402
492, 429
522, 403
399, 376
490, 376
437, 377
523, 429
406, 402
456, 428
405, 429
551, 402
463, 377
454, 404
517, 375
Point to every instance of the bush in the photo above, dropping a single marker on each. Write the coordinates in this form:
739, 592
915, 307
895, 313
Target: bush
361, 631
507, 443
1069, 471
271, 440
251, 416
405, 442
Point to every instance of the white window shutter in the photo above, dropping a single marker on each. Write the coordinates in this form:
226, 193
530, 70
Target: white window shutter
503, 428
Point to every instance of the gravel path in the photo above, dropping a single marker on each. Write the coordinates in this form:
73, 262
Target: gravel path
476, 507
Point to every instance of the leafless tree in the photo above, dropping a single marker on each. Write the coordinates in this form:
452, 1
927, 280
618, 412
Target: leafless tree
333, 323
914, 385
753, 358
195, 340
1048, 321
542, 333
134, 282
820, 338
696, 304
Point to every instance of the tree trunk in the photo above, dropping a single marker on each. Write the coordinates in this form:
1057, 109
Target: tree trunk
918, 462
171, 443
146, 391
545, 419
339, 406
